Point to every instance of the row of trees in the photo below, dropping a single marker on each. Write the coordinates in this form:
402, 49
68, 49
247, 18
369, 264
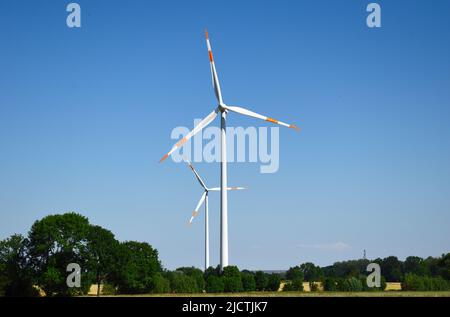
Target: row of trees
39, 261
393, 269
308, 272
415, 273
193, 280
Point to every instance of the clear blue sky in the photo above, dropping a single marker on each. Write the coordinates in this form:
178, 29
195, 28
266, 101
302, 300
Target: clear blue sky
85, 115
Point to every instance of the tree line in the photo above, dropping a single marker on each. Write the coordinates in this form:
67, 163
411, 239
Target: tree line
39, 260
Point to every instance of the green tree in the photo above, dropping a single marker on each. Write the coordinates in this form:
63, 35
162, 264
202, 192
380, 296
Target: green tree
351, 284
15, 273
383, 283
261, 280
311, 272
214, 284
432, 265
444, 266
137, 263
195, 273
182, 283
346, 269
273, 282
54, 242
391, 268
295, 277
159, 284
232, 279
294, 273
415, 265
248, 281
211, 271
313, 286
331, 284
102, 248
413, 282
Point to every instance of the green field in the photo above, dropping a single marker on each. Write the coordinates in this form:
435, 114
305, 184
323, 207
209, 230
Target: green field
305, 294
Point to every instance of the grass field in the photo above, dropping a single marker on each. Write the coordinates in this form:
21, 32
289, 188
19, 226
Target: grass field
305, 294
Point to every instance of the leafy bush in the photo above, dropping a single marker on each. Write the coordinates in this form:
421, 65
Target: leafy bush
273, 283
160, 284
331, 284
295, 277
137, 264
313, 286
351, 284
311, 272
15, 272
214, 284
294, 273
248, 281
108, 289
261, 280
182, 283
414, 282
383, 284
232, 279
196, 274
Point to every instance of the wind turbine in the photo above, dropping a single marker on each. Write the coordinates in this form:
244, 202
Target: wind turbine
223, 109
204, 198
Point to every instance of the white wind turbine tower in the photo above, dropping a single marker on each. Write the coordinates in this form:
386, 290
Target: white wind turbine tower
204, 198
223, 109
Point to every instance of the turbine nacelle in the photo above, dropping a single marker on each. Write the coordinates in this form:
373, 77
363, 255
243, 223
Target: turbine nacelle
222, 107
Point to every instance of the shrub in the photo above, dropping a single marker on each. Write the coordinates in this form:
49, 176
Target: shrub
196, 274
382, 284
297, 285
232, 279
108, 289
248, 281
331, 284
293, 286
182, 283
137, 263
414, 282
160, 284
294, 273
214, 284
313, 286
351, 284
261, 280
273, 283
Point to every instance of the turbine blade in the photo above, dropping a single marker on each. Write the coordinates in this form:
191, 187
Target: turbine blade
209, 118
235, 188
200, 180
215, 78
200, 202
249, 113
215, 189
